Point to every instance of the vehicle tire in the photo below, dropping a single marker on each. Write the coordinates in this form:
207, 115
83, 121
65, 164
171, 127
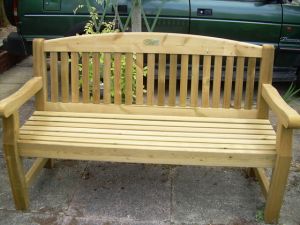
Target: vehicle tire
8, 7
77, 29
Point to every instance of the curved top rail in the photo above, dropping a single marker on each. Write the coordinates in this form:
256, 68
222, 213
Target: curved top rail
165, 43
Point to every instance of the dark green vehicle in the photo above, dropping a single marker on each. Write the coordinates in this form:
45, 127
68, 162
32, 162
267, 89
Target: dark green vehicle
255, 21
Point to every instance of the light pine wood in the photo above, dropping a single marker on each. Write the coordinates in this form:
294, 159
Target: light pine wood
172, 80
117, 78
150, 122
150, 117
64, 77
34, 170
150, 78
14, 162
159, 43
265, 77
217, 82
146, 110
139, 79
238, 90
250, 83
54, 76
74, 77
279, 174
140, 154
40, 70
195, 80
52, 126
12, 103
228, 82
263, 180
129, 79
183, 80
96, 78
106, 78
161, 79
286, 114
85, 78
206, 81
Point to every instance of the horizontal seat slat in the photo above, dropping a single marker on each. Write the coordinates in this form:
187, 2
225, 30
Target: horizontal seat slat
253, 145
45, 130
150, 117
61, 125
148, 137
150, 123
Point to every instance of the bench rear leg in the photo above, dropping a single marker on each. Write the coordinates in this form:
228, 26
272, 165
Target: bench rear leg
49, 164
14, 162
279, 175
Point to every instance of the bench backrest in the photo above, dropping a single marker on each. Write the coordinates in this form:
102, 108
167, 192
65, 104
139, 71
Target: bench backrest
183, 71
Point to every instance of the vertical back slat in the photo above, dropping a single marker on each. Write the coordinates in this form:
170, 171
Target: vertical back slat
96, 78
250, 83
74, 77
228, 82
161, 79
183, 79
150, 78
238, 90
128, 80
172, 80
54, 76
139, 78
195, 80
206, 81
217, 82
106, 78
65, 77
85, 78
117, 79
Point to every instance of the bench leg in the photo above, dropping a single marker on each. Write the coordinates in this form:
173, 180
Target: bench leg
14, 162
279, 175
49, 164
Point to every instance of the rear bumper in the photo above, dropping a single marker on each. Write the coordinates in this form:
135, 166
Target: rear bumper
16, 45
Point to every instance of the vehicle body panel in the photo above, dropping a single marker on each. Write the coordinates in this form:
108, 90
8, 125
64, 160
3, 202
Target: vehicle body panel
254, 21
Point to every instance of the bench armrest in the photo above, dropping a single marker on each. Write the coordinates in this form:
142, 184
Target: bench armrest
12, 103
286, 114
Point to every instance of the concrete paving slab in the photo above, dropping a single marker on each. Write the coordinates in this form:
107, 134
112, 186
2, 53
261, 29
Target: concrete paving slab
16, 75
8, 217
107, 221
207, 195
125, 191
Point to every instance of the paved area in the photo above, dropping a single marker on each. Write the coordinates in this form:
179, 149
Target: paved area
86, 193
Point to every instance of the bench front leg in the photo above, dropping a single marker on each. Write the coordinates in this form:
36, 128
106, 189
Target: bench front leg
279, 174
14, 161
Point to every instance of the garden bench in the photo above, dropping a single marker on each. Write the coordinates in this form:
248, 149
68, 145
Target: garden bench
180, 122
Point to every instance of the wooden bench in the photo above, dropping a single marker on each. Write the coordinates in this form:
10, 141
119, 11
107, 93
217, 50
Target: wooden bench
190, 121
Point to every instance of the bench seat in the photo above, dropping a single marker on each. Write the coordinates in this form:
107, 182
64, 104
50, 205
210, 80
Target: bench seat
149, 139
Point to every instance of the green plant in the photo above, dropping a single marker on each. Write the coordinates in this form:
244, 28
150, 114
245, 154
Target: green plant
109, 27
259, 217
291, 94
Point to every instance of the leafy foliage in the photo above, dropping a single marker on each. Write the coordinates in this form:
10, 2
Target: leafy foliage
291, 94
110, 28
